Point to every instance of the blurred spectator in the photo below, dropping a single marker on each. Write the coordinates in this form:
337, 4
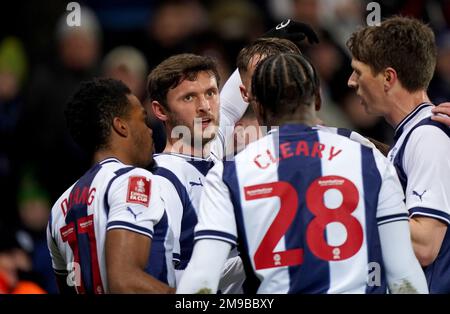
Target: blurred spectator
15, 267
45, 142
439, 90
172, 28
236, 23
341, 17
13, 70
210, 44
236, 19
434, 12
368, 125
329, 62
34, 210
128, 64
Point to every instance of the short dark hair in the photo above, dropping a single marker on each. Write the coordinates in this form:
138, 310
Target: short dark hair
91, 109
283, 82
265, 47
403, 43
174, 70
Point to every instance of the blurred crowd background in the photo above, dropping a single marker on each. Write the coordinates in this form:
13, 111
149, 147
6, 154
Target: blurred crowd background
42, 61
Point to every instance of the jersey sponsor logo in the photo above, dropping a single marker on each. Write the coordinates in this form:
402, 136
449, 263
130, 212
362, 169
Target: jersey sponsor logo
199, 183
139, 190
419, 195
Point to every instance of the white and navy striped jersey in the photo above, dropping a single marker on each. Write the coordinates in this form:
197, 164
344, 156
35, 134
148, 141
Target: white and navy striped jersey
182, 179
304, 206
421, 156
108, 196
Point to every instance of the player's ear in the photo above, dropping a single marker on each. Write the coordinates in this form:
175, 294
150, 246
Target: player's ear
390, 78
120, 126
244, 93
159, 110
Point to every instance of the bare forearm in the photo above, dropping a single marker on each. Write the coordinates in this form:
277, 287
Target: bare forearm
426, 241
137, 282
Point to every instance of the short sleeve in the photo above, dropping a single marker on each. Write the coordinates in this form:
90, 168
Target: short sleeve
427, 166
135, 203
216, 218
391, 206
58, 262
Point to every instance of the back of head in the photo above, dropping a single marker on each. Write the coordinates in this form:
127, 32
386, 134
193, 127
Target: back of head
174, 70
405, 44
91, 110
264, 47
281, 83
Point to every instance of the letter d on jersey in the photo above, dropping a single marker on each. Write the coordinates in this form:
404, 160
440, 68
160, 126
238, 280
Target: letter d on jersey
74, 17
374, 276
74, 274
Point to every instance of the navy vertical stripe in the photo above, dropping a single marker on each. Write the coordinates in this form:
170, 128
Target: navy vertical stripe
157, 263
118, 173
188, 220
312, 276
252, 282
344, 132
372, 185
203, 166
75, 212
50, 223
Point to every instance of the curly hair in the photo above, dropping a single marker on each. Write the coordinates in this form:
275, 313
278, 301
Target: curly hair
405, 44
90, 112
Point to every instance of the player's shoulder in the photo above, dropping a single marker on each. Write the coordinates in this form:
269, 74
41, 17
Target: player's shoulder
182, 167
430, 132
336, 139
347, 133
177, 162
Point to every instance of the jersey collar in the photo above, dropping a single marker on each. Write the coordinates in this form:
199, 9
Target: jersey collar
400, 128
291, 128
108, 160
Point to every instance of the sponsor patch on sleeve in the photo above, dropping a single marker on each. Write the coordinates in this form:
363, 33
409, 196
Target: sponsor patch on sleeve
139, 190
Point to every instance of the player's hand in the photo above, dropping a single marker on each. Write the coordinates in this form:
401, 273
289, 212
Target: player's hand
442, 113
293, 31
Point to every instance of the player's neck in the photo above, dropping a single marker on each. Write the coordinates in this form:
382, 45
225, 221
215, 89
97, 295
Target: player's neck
108, 153
180, 147
302, 116
403, 105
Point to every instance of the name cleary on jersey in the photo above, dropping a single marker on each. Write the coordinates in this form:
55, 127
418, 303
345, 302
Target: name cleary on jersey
299, 148
77, 197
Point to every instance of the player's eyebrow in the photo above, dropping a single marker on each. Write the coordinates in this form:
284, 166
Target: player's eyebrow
190, 93
212, 89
